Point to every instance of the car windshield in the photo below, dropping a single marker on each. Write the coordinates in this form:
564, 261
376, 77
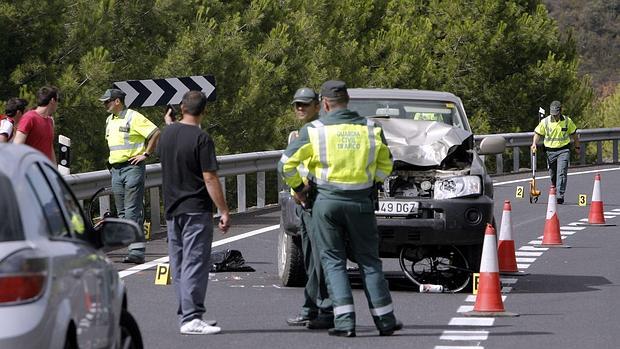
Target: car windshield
444, 112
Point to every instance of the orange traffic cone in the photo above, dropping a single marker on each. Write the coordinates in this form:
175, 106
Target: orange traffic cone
489, 298
506, 246
596, 206
551, 235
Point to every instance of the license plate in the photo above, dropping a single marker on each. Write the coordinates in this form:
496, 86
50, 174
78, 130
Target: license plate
400, 208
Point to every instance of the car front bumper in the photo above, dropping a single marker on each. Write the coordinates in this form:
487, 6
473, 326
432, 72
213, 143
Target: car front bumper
457, 221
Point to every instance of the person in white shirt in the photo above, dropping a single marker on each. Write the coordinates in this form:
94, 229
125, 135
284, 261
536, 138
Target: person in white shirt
14, 110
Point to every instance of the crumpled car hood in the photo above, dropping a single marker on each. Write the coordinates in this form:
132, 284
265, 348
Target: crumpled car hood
421, 143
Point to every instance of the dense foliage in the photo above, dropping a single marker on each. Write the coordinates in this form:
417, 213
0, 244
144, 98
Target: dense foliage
503, 58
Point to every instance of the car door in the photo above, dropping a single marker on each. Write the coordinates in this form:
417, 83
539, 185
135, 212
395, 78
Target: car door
76, 264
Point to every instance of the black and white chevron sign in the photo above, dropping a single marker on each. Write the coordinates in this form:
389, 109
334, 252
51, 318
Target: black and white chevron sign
152, 92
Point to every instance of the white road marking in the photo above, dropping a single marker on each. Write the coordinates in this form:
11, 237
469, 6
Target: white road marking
616, 209
570, 174
535, 242
471, 321
465, 308
506, 289
532, 248
464, 335
508, 281
472, 298
457, 347
522, 266
166, 259
527, 254
525, 259
612, 213
570, 227
564, 232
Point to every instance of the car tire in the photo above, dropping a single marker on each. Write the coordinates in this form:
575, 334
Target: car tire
131, 338
291, 268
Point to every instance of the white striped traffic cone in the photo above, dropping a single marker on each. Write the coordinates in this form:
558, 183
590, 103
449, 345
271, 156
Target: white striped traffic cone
551, 233
506, 245
596, 216
489, 298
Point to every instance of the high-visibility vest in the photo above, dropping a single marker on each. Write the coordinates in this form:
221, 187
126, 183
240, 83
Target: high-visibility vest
556, 133
126, 135
343, 156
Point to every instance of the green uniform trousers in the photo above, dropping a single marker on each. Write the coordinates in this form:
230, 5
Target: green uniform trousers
351, 221
316, 296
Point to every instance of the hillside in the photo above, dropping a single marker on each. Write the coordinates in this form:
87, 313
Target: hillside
595, 27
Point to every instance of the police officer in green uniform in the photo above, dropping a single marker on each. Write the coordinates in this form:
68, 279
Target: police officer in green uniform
131, 138
316, 312
347, 156
557, 129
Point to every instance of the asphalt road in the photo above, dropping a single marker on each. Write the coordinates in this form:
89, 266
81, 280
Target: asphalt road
568, 299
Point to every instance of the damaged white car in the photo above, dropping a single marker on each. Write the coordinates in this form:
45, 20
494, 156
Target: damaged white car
433, 209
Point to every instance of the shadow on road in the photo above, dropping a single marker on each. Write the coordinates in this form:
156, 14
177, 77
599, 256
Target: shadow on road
546, 283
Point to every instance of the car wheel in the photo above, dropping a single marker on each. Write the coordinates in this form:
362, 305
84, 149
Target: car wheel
436, 265
291, 268
131, 338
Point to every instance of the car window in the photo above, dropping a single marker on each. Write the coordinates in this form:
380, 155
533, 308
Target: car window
10, 226
417, 110
67, 200
50, 206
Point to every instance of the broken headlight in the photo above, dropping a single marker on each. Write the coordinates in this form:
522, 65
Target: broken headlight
455, 187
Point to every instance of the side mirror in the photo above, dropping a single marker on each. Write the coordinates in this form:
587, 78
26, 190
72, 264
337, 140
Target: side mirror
492, 145
116, 232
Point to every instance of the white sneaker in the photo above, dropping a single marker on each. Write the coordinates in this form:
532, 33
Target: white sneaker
198, 326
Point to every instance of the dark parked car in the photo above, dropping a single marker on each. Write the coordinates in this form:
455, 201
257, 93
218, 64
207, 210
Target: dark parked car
57, 288
433, 209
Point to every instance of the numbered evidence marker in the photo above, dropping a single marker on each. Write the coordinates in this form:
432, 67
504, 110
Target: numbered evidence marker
476, 279
582, 200
162, 274
519, 192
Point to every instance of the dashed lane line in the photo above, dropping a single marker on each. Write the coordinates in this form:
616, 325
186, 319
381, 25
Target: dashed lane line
525, 256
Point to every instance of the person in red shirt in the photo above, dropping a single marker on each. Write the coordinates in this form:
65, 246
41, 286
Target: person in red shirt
14, 110
36, 127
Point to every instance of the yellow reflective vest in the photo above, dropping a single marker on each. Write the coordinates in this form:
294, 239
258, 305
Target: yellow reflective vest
343, 151
556, 133
127, 134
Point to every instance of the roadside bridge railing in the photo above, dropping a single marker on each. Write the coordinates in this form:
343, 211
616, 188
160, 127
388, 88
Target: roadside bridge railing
600, 146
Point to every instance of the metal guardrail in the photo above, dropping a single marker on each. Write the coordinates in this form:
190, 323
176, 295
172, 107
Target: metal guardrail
86, 184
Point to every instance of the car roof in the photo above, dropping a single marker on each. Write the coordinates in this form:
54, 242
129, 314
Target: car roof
12, 154
395, 93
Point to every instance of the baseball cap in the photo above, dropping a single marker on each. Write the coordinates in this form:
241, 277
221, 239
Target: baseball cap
305, 95
555, 107
112, 93
334, 89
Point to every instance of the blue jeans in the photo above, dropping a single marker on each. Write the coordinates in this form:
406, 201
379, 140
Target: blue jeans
128, 189
558, 161
189, 246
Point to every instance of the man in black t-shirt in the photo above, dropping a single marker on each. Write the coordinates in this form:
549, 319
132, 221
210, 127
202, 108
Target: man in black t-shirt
191, 187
